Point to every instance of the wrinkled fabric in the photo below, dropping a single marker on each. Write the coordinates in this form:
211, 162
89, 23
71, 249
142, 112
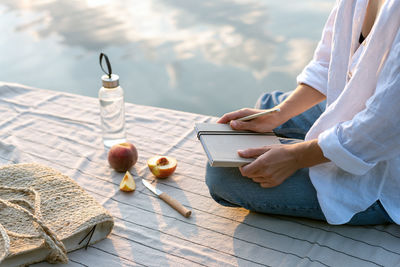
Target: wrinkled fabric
63, 131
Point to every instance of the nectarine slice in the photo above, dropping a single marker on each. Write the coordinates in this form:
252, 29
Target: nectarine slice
127, 184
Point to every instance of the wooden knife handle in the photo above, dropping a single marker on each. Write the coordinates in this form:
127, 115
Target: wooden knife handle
176, 205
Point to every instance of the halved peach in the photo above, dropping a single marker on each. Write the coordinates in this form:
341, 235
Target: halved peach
162, 166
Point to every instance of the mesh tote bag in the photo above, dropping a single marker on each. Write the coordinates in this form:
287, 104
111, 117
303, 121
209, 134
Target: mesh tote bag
45, 214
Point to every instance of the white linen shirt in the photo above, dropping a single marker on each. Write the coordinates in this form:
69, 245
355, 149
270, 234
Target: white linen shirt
360, 128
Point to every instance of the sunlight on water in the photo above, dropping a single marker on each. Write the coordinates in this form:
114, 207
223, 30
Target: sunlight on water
208, 56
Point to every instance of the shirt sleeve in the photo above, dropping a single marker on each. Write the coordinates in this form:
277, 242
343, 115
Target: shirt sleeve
373, 135
315, 74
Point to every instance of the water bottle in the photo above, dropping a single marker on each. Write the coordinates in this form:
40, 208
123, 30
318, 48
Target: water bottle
112, 110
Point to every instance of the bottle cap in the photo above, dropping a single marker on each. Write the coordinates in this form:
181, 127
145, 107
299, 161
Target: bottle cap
110, 82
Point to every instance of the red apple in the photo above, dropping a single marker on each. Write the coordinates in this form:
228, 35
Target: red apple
122, 156
162, 166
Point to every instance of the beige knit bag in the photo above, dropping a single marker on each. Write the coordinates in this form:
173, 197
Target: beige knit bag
44, 215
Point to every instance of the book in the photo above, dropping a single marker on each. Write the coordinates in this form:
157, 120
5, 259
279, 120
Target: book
221, 143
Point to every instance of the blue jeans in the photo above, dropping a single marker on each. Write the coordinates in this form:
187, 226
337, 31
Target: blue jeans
296, 196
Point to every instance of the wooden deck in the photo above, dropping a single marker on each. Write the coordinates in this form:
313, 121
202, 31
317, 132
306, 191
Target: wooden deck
62, 131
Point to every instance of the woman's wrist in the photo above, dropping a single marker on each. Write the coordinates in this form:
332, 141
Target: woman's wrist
279, 117
284, 114
303, 98
309, 154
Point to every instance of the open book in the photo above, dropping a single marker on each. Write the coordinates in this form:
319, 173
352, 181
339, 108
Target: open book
221, 143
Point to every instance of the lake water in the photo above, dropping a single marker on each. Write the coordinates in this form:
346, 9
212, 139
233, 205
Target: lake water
203, 56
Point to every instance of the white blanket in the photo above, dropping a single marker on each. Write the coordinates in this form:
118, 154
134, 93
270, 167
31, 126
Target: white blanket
62, 131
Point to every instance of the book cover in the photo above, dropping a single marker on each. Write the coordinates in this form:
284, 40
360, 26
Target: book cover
221, 143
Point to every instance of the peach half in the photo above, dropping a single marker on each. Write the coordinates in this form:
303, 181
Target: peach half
162, 166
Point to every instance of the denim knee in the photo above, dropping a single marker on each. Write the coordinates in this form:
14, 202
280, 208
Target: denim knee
270, 100
217, 185
212, 181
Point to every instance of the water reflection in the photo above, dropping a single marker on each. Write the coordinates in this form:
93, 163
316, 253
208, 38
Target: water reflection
198, 56
237, 37
78, 23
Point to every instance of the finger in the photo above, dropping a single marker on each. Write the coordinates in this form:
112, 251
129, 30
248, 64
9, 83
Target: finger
253, 152
244, 125
224, 119
244, 173
254, 169
229, 116
256, 178
235, 115
266, 185
259, 180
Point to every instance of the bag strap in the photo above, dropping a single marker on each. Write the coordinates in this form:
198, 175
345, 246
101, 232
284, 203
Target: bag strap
6, 243
58, 252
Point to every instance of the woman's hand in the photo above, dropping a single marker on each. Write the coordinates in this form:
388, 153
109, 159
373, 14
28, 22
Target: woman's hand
261, 124
274, 164
303, 98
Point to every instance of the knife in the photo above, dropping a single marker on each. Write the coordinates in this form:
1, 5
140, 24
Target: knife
169, 200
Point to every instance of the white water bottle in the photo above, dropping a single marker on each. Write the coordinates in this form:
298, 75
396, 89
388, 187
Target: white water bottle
112, 110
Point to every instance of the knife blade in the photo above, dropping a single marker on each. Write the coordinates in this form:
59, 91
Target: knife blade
169, 200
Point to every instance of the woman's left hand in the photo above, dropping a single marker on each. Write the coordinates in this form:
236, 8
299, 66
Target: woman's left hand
274, 164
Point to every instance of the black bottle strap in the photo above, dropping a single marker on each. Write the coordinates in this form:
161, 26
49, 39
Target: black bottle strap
109, 72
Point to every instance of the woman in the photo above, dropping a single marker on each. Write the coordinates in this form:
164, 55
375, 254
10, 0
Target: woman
348, 168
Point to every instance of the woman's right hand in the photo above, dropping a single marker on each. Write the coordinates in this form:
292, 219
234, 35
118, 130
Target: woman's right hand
261, 124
